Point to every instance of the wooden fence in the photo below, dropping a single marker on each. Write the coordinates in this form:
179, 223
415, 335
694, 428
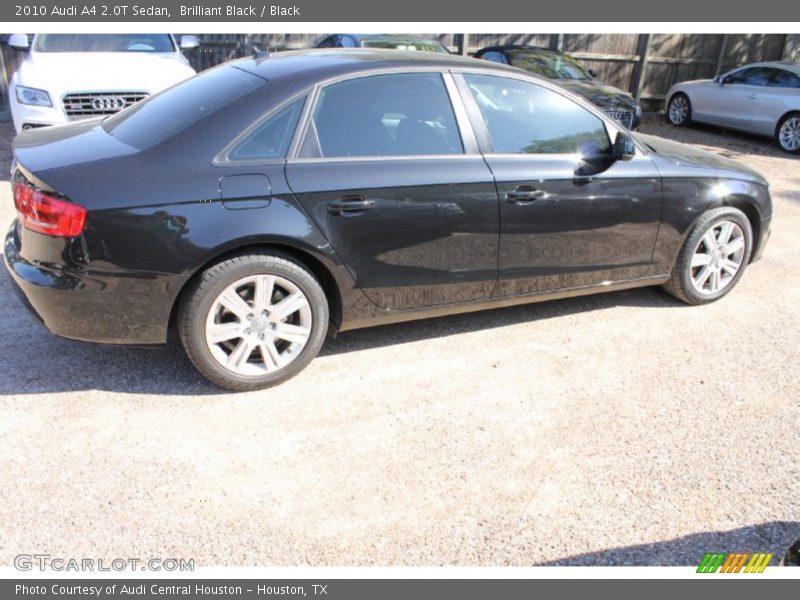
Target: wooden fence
646, 65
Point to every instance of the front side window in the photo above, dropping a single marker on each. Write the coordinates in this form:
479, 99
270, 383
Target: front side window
551, 65
405, 114
271, 139
524, 118
759, 76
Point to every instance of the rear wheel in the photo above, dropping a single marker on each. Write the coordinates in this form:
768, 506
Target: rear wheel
253, 321
788, 133
679, 110
713, 257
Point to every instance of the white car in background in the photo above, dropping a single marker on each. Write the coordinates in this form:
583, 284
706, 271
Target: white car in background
66, 77
760, 98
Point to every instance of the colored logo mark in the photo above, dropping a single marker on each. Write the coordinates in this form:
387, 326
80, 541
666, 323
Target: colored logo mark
743, 562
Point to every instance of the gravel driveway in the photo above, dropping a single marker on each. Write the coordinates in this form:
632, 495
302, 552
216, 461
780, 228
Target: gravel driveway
623, 428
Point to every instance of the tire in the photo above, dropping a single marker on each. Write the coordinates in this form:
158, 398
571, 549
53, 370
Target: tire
679, 110
787, 133
239, 344
700, 252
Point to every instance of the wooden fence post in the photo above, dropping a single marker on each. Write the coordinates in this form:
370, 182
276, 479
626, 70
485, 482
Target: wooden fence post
643, 49
721, 58
463, 44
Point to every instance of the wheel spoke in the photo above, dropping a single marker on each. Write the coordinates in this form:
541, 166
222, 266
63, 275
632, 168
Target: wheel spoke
714, 280
222, 332
730, 266
709, 240
292, 333
235, 303
269, 355
700, 260
733, 246
264, 286
702, 277
289, 305
240, 354
724, 234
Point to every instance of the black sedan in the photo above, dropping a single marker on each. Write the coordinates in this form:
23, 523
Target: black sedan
571, 74
263, 204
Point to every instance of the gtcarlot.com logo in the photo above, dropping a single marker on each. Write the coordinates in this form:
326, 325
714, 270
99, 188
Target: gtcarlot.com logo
45, 562
738, 562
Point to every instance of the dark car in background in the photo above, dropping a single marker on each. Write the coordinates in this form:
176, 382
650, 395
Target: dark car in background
571, 74
269, 201
381, 41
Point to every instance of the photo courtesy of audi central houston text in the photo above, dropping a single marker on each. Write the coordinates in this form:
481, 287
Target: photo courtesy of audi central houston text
293, 195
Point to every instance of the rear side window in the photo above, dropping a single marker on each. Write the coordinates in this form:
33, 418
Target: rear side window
271, 139
404, 114
163, 115
524, 118
784, 79
495, 56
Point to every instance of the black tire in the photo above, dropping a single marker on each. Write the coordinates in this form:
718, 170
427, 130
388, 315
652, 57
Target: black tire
680, 282
198, 299
679, 97
793, 116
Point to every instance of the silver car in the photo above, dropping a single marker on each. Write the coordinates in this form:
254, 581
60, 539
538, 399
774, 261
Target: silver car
761, 98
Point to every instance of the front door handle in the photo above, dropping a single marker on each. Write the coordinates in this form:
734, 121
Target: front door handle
349, 204
752, 96
524, 195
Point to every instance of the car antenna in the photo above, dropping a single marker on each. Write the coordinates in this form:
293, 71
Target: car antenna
259, 53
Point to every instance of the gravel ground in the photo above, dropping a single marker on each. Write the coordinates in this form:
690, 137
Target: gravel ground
622, 428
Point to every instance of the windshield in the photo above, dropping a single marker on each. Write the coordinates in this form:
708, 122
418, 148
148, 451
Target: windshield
126, 42
548, 64
420, 45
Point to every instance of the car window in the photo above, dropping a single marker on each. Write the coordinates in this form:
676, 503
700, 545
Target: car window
759, 76
524, 118
271, 139
403, 114
552, 65
347, 41
328, 42
495, 56
102, 42
784, 79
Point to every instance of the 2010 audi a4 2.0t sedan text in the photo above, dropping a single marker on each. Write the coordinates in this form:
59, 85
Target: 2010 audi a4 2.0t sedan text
269, 201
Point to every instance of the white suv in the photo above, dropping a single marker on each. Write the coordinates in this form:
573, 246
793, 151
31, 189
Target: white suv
67, 77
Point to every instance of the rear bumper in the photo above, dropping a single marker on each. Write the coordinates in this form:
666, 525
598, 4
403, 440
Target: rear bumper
90, 307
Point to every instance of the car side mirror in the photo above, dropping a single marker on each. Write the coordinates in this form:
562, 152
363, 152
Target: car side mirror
189, 42
18, 41
624, 147
592, 73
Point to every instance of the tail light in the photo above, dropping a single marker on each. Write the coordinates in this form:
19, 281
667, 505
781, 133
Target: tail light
46, 213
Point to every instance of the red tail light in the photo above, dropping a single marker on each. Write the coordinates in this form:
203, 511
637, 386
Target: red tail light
44, 213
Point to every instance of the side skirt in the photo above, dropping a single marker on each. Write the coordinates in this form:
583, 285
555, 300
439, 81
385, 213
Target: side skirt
399, 316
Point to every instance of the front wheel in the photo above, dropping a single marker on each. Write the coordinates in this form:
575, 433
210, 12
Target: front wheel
713, 257
679, 110
253, 321
788, 133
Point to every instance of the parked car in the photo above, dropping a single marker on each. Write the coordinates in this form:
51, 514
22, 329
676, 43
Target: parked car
571, 74
267, 202
66, 77
387, 42
761, 98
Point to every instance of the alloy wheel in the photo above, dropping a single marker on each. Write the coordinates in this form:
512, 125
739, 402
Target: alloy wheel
717, 257
678, 110
258, 325
789, 134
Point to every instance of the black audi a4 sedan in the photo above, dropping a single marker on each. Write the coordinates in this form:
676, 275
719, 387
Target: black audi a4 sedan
571, 74
265, 203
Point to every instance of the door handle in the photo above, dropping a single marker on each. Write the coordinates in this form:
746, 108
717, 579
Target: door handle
524, 195
751, 95
349, 204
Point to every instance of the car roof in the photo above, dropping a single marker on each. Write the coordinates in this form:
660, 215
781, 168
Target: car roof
306, 67
789, 66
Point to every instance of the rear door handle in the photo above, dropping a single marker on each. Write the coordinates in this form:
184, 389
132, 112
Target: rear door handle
349, 204
524, 195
